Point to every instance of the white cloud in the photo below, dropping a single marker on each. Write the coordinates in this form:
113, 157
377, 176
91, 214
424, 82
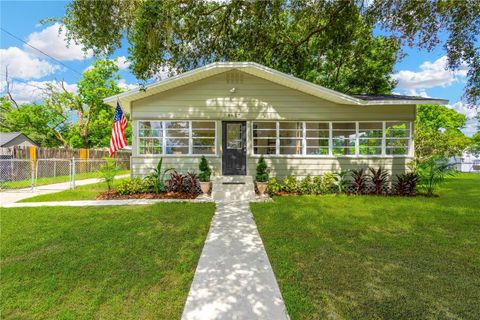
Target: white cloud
126, 86
431, 74
51, 40
122, 63
22, 65
31, 91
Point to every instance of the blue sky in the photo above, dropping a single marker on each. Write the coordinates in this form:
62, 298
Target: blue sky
419, 73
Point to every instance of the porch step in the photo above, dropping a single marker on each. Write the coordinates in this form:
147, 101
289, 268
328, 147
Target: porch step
233, 188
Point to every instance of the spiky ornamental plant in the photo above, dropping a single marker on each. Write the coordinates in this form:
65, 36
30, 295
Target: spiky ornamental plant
262, 172
359, 180
378, 179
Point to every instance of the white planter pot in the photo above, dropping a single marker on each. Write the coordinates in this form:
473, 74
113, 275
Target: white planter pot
205, 187
262, 187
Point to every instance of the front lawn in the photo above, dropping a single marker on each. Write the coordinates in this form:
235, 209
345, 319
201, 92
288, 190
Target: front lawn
85, 192
134, 262
367, 257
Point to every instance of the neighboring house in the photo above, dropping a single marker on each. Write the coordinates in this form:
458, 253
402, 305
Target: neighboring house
234, 112
468, 162
13, 139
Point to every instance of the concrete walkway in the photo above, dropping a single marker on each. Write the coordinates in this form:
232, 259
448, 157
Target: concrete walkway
234, 279
11, 196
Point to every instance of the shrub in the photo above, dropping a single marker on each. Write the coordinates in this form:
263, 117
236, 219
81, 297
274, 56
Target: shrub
156, 179
340, 180
432, 173
274, 187
136, 185
406, 184
192, 182
262, 173
378, 179
175, 183
205, 171
359, 181
290, 184
328, 181
108, 171
305, 186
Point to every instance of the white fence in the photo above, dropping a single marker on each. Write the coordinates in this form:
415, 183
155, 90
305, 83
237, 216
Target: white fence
26, 174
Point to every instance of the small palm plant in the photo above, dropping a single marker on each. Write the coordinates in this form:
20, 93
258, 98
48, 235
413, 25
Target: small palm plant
340, 180
157, 177
108, 172
434, 172
378, 178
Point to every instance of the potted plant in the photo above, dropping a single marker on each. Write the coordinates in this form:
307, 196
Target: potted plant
204, 176
261, 176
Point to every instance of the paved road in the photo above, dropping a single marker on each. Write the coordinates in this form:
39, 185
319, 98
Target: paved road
234, 278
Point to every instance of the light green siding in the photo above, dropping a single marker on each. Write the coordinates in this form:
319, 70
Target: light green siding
258, 99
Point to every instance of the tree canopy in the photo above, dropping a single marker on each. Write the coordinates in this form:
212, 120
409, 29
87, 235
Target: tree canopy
328, 42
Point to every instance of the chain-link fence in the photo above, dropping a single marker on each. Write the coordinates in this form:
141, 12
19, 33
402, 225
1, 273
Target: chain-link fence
16, 174
27, 174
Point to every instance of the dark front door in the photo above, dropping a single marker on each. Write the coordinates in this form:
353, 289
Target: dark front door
234, 148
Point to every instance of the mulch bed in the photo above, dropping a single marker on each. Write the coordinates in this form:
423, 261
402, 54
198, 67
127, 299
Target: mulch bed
113, 195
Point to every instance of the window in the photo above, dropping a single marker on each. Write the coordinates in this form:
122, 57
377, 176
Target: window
370, 135
203, 137
150, 137
291, 137
264, 137
397, 138
176, 137
317, 136
343, 138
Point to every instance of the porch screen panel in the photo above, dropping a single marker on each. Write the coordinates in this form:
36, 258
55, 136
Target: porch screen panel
291, 137
397, 138
317, 138
343, 138
370, 136
264, 137
203, 137
150, 137
176, 137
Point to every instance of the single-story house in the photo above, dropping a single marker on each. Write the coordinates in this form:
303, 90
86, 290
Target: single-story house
12, 139
233, 112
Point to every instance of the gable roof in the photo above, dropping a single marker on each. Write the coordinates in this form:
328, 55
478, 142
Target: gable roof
269, 74
7, 137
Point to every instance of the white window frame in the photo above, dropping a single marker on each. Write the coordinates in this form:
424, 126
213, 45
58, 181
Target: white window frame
410, 151
164, 139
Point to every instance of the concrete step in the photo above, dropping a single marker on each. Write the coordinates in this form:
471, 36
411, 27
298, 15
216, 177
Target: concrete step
233, 188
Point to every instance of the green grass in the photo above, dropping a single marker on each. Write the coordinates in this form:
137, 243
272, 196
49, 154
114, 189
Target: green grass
85, 192
134, 262
51, 180
367, 257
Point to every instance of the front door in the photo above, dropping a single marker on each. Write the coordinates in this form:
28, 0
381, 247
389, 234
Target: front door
234, 148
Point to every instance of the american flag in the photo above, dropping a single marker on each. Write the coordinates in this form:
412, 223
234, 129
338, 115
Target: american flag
118, 140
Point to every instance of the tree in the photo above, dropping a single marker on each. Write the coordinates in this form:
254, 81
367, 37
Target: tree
438, 133
329, 43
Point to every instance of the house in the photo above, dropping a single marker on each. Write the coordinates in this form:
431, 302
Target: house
233, 112
12, 139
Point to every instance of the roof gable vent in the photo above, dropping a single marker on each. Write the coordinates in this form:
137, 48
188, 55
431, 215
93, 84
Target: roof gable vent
234, 77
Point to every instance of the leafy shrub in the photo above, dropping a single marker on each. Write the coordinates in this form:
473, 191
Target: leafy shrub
134, 186
274, 187
378, 179
328, 181
306, 186
175, 183
290, 184
205, 171
340, 181
406, 184
108, 171
359, 181
191, 182
156, 179
432, 173
262, 173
